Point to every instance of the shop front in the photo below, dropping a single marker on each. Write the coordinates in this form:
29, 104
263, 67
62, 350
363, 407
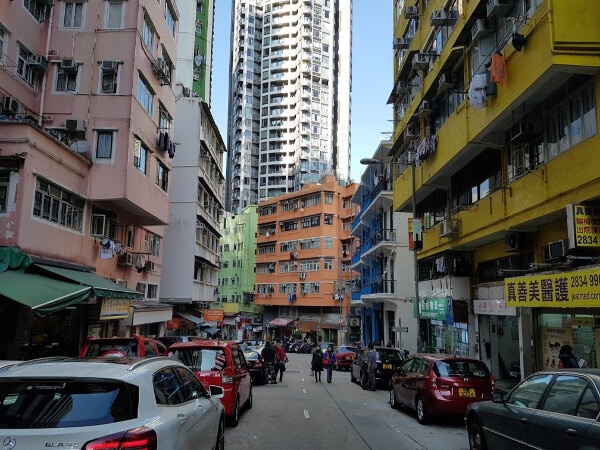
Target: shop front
443, 325
565, 309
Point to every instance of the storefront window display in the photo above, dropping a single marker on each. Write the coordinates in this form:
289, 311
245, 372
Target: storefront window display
580, 330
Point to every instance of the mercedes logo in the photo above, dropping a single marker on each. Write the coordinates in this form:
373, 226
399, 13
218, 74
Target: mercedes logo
9, 443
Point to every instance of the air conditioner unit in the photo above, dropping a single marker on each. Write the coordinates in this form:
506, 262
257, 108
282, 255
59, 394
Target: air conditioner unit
109, 66
354, 322
410, 132
161, 69
11, 105
445, 82
481, 28
447, 228
558, 249
421, 61
149, 266
38, 62
401, 43
513, 242
521, 131
425, 108
196, 76
125, 259
75, 125
68, 65
499, 8
411, 12
442, 17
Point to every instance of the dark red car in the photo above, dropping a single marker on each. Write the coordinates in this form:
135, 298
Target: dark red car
134, 345
440, 385
219, 363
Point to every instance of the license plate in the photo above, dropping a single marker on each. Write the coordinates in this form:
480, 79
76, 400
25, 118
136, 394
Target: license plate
466, 392
387, 366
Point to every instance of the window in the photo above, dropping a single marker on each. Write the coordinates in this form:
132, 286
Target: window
37, 8
170, 18
54, 204
529, 393
4, 183
152, 290
148, 33
139, 155
145, 96
73, 13
24, 69
104, 144
328, 242
114, 14
328, 198
109, 77
162, 176
130, 242
308, 222
103, 223
66, 79
328, 219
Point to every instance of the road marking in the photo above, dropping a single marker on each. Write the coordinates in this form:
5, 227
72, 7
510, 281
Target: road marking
302, 379
306, 416
304, 391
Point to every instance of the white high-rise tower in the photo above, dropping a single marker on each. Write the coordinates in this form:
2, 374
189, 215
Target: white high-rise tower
289, 97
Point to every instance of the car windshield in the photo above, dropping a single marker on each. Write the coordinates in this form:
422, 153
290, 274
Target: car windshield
251, 356
202, 359
347, 350
389, 354
461, 368
127, 348
65, 403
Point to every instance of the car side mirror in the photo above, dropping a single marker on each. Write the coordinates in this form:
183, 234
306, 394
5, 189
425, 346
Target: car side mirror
216, 391
498, 397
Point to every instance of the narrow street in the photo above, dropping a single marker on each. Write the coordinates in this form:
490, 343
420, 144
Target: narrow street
299, 413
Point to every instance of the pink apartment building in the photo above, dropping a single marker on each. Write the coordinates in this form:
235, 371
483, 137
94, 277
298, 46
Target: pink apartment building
86, 148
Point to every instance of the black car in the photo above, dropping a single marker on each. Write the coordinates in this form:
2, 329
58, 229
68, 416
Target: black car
256, 367
388, 359
549, 409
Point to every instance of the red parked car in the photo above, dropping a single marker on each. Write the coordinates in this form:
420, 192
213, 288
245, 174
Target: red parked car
134, 345
344, 356
219, 363
440, 385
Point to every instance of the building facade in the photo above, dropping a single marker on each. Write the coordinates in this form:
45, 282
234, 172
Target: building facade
242, 319
495, 107
289, 101
303, 272
86, 126
384, 291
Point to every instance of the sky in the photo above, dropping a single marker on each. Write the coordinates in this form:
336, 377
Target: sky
372, 75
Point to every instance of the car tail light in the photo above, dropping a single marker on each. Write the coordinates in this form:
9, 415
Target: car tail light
227, 376
432, 380
141, 438
493, 381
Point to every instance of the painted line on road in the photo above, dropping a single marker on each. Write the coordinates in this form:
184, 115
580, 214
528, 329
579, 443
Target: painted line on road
304, 391
306, 416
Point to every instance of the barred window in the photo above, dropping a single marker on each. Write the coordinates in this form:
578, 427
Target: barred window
308, 222
54, 204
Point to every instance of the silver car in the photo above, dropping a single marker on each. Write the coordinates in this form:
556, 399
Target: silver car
118, 403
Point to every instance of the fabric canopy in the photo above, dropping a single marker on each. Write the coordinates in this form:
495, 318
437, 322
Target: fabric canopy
211, 331
13, 258
280, 322
195, 319
101, 287
42, 294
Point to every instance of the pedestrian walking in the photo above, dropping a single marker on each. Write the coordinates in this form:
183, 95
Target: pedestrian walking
280, 360
317, 363
268, 355
329, 360
371, 368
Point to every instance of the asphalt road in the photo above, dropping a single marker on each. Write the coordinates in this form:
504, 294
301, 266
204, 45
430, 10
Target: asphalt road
299, 413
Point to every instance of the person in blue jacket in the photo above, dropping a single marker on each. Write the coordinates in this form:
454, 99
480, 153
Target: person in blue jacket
329, 360
567, 358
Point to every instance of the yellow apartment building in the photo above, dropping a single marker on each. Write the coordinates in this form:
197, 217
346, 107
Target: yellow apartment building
496, 147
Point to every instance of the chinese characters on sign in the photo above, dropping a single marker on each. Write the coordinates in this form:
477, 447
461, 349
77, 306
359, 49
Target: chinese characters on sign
493, 308
432, 308
585, 224
568, 289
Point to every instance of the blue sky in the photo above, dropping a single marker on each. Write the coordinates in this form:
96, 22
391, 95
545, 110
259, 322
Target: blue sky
372, 77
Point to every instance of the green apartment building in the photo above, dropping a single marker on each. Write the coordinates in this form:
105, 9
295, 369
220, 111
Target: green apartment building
241, 318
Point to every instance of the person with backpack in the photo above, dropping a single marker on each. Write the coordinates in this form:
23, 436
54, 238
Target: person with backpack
317, 363
329, 360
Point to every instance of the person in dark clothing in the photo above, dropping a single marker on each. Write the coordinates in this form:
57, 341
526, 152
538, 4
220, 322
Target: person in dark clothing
268, 355
567, 358
317, 363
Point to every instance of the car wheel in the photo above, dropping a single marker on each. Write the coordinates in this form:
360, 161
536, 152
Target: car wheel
234, 419
220, 445
422, 415
476, 438
393, 402
249, 401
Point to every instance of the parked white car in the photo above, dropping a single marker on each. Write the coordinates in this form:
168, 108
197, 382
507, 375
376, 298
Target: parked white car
108, 403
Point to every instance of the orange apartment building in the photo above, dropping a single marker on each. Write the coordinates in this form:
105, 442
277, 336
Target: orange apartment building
303, 274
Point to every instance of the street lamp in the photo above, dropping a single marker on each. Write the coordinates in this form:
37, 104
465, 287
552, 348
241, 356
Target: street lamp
374, 161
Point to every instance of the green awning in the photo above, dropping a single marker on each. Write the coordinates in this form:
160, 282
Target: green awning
42, 294
101, 287
13, 258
